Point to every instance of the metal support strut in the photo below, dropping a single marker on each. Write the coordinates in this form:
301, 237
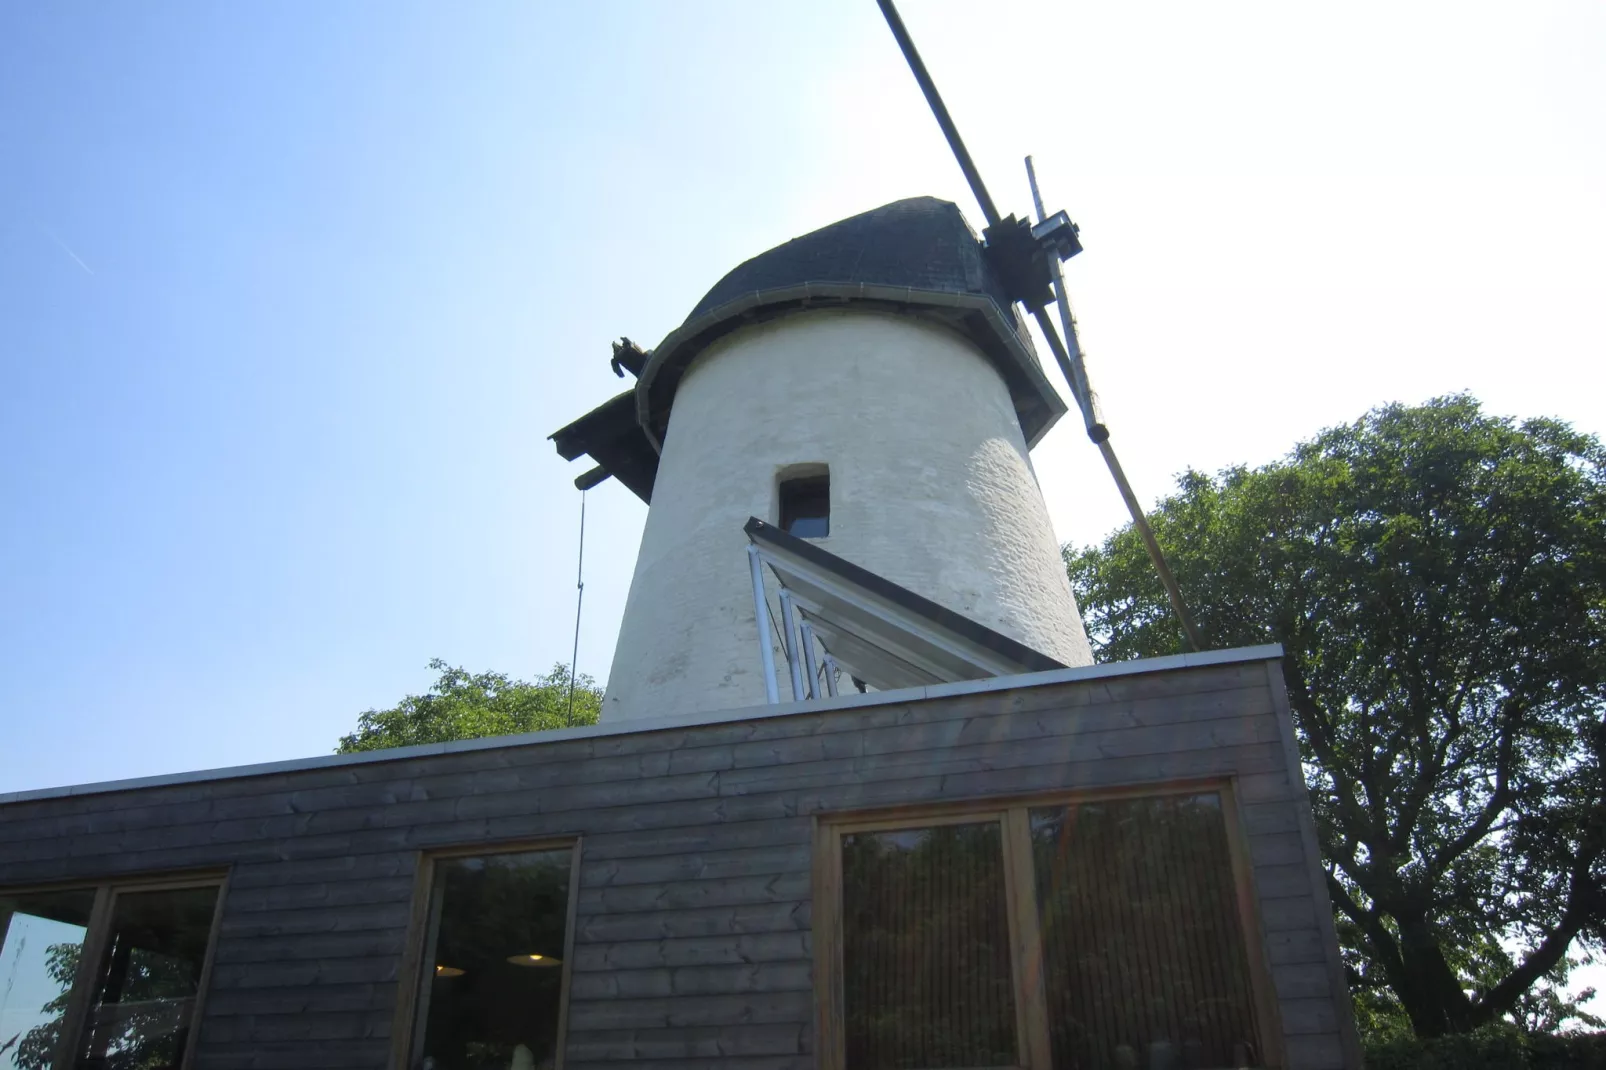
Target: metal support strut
789, 630
810, 672
761, 616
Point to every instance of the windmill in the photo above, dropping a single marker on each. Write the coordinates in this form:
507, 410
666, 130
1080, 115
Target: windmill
852, 411
1027, 257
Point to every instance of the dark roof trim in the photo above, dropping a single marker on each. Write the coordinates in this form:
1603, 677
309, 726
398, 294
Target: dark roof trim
978, 316
611, 436
942, 616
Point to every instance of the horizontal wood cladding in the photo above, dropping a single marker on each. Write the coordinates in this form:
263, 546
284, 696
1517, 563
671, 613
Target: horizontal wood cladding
692, 942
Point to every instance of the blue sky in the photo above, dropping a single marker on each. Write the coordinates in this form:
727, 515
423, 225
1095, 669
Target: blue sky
292, 294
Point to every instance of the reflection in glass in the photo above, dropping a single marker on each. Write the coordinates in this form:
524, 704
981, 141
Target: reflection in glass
147, 980
925, 938
41, 938
491, 989
1143, 951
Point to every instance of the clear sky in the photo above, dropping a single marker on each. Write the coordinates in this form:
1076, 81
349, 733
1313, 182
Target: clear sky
291, 294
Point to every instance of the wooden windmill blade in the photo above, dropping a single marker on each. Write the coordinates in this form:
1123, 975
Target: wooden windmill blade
1027, 258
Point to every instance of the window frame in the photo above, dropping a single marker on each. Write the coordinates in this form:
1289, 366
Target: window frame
406, 1034
1020, 892
96, 933
810, 472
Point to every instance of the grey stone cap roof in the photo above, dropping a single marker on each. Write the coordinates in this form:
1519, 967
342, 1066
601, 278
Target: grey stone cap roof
915, 257
921, 243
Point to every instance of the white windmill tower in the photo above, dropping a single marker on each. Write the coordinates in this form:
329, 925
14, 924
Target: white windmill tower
860, 403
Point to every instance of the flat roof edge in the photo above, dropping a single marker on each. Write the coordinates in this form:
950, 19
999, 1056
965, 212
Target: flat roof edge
1267, 652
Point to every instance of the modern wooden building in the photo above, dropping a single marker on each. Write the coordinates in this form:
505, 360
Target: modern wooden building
1107, 866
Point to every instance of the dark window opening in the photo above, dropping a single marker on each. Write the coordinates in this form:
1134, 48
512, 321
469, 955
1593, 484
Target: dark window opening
105, 977
1096, 933
806, 506
926, 927
148, 980
493, 963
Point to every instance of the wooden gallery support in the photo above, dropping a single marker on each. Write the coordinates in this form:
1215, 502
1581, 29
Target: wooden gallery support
1096, 867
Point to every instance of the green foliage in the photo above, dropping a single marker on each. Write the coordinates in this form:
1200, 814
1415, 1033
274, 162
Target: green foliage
140, 1034
1490, 1048
461, 705
924, 913
38, 1045
1437, 578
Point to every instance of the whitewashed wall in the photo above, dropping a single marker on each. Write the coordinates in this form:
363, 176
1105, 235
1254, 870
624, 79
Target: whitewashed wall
931, 487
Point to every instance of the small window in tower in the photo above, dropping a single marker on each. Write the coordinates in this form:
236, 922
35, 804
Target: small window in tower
806, 506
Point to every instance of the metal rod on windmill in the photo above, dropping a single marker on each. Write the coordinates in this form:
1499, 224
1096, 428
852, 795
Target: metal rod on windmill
1027, 258
1076, 375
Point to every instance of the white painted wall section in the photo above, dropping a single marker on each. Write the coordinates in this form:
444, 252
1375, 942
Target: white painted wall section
931, 487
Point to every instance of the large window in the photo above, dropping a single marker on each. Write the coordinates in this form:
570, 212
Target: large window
1095, 933
492, 956
104, 978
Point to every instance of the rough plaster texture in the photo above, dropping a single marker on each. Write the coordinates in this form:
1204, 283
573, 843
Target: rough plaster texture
931, 487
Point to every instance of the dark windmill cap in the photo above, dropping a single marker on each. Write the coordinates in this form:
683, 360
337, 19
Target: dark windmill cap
915, 257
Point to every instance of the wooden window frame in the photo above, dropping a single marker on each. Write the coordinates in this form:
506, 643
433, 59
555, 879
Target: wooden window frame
406, 1032
96, 933
1020, 891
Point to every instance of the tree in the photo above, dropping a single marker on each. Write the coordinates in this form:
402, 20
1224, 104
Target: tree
461, 705
1437, 578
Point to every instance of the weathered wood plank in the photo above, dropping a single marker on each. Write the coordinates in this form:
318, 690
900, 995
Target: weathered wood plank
322, 999
1277, 881
1260, 818
315, 946
700, 1042
685, 895
693, 981
789, 946
279, 1028
372, 1054
1315, 1051
728, 835
748, 1008
1295, 946
269, 898
1277, 849
354, 971
672, 924
703, 865
1301, 980
1308, 1016
321, 918
1293, 912
727, 1062
1209, 736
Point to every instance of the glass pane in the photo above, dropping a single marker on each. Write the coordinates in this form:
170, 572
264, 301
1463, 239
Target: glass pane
806, 507
493, 975
149, 976
925, 936
1144, 955
41, 937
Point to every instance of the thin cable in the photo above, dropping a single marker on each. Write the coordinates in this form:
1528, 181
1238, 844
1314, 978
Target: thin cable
579, 601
